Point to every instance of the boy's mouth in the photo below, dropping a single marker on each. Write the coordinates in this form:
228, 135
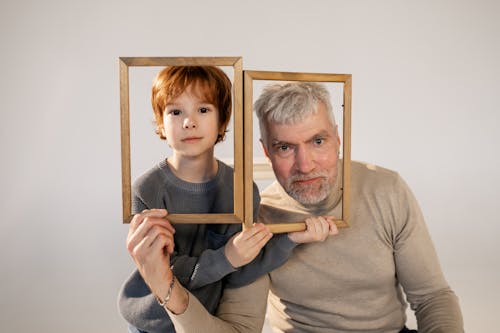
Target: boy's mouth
191, 139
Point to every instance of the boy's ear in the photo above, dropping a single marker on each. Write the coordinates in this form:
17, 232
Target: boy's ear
162, 130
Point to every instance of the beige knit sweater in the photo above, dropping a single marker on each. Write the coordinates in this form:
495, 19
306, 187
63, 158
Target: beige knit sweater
352, 282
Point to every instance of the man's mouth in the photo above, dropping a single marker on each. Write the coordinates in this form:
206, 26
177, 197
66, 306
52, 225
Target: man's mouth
307, 181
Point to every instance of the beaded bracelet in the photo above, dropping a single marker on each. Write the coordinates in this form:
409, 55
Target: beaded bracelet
169, 293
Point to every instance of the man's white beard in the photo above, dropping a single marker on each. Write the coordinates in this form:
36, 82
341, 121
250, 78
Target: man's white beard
309, 194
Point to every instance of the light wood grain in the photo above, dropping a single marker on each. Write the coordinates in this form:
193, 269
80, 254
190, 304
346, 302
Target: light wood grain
180, 61
297, 76
239, 174
278, 228
125, 140
248, 154
346, 149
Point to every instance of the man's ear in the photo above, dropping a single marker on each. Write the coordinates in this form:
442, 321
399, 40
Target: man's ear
337, 132
266, 152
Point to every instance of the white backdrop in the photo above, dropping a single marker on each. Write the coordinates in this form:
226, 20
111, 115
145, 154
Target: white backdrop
425, 102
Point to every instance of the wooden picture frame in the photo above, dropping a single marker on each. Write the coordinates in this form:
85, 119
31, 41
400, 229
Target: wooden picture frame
248, 78
236, 62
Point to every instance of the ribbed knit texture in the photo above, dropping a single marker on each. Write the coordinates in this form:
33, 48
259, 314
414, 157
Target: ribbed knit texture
354, 281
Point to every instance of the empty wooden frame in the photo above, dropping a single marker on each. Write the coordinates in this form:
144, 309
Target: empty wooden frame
238, 197
243, 137
248, 78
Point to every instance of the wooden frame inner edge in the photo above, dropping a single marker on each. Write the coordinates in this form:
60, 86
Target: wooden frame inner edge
238, 194
249, 76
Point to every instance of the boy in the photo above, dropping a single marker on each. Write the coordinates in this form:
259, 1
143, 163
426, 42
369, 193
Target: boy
192, 107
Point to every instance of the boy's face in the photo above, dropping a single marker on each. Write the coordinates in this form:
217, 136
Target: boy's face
191, 124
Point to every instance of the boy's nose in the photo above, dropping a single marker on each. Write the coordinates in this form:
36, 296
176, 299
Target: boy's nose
189, 123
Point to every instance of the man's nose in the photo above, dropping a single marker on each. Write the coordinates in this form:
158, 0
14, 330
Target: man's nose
189, 122
304, 161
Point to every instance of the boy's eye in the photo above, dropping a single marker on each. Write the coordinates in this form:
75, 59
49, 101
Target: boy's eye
175, 112
204, 110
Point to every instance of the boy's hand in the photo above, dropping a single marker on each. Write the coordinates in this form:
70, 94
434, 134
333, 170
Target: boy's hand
244, 246
318, 229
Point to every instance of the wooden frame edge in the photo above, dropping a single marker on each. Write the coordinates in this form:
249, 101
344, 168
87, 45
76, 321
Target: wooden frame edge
248, 77
238, 193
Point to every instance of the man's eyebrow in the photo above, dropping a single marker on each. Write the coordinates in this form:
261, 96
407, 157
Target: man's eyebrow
322, 133
279, 142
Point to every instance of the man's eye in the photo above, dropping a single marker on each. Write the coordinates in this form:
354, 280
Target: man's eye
319, 141
283, 147
204, 110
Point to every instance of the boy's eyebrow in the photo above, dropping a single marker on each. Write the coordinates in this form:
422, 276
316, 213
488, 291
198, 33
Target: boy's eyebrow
172, 104
200, 103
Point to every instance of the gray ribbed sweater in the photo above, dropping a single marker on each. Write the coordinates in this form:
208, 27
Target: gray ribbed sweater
199, 261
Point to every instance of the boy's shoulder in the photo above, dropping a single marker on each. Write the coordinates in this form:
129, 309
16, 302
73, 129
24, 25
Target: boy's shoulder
151, 178
224, 165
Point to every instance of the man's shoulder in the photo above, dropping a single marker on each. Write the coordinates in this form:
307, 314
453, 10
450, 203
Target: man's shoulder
272, 191
370, 177
366, 170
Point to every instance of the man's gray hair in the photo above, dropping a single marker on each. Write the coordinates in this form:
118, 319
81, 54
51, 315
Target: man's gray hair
290, 103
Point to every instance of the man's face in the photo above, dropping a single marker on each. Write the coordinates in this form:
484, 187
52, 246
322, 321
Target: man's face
304, 156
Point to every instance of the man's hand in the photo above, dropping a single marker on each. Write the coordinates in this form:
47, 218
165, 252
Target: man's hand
244, 246
318, 229
150, 242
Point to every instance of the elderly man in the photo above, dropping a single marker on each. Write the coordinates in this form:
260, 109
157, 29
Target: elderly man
350, 283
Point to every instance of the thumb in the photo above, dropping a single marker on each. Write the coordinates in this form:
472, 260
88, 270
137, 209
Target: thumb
156, 212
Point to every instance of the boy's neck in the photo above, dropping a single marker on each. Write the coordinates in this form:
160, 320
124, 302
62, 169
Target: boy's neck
193, 169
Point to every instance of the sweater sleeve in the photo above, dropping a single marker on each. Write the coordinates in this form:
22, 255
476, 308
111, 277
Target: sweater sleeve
192, 271
139, 307
196, 272
436, 306
241, 310
272, 256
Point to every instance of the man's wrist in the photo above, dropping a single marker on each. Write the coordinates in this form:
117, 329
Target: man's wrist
163, 301
176, 298
179, 299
